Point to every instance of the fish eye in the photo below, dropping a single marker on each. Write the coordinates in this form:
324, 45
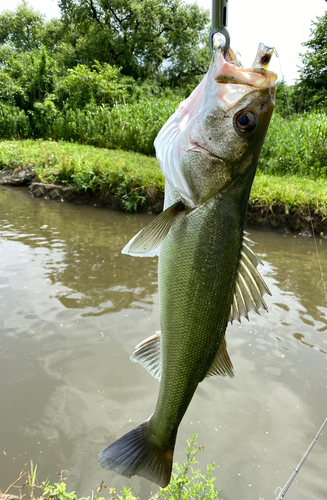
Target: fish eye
265, 59
245, 122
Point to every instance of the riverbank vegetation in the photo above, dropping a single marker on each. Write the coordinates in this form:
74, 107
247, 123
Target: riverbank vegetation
135, 179
187, 483
111, 77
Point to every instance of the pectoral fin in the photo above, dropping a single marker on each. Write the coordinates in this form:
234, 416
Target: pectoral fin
221, 364
147, 353
147, 241
250, 286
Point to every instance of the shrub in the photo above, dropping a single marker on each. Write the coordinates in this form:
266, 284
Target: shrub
14, 123
84, 85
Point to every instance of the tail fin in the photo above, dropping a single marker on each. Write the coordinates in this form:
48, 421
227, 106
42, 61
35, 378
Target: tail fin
136, 453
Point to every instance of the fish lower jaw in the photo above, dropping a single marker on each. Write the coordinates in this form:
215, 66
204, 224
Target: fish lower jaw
196, 148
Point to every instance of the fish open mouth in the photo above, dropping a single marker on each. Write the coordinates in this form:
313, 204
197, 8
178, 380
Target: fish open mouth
251, 77
196, 148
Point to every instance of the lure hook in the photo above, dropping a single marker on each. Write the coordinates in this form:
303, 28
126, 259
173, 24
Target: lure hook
219, 24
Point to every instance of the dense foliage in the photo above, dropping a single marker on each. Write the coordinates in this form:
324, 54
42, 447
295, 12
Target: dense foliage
110, 73
158, 39
139, 37
311, 89
97, 73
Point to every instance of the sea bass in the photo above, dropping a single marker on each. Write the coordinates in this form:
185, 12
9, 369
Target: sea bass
208, 152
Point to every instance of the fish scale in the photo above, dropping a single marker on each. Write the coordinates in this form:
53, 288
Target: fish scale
200, 309
208, 151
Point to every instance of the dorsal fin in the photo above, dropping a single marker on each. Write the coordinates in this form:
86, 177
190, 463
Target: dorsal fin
147, 241
221, 364
147, 353
250, 286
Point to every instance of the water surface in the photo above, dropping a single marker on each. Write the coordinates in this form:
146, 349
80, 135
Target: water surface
72, 308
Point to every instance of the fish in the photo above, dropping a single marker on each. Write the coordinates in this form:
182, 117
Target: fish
208, 152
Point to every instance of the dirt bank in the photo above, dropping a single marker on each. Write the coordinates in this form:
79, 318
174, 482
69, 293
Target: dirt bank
272, 217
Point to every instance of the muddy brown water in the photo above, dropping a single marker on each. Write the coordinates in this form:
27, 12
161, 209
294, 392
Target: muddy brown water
72, 308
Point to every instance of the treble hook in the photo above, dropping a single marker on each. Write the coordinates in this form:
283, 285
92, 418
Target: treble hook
219, 23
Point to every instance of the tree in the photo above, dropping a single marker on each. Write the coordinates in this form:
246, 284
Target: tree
27, 77
143, 37
311, 88
99, 85
21, 29
25, 29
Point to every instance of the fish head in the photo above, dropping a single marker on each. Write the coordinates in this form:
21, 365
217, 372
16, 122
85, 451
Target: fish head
223, 140
216, 134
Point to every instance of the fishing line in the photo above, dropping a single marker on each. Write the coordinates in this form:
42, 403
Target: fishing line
283, 80
318, 256
309, 211
301, 462
288, 484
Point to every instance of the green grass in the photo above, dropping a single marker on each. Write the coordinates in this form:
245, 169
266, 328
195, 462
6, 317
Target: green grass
296, 145
136, 179
292, 192
133, 178
187, 483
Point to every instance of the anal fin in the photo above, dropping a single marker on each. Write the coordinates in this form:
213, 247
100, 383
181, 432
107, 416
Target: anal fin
147, 353
221, 364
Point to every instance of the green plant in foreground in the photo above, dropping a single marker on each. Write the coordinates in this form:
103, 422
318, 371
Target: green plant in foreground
186, 483
57, 491
31, 479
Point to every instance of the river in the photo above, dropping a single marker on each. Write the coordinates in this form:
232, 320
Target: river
72, 308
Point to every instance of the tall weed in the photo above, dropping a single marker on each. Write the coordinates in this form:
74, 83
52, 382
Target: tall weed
131, 127
14, 123
296, 145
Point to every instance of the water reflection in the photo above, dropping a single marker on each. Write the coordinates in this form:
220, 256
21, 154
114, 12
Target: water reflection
72, 310
85, 254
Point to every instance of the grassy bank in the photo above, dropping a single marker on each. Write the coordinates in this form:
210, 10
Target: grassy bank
133, 178
290, 193
187, 483
295, 144
136, 179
